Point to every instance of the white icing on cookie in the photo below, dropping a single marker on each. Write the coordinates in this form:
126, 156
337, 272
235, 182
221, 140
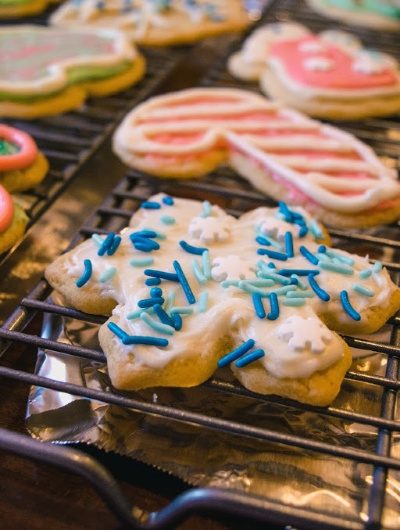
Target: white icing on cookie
318, 64
296, 343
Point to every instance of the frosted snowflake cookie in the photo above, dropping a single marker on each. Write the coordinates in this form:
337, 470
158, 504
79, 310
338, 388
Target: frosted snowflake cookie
46, 71
329, 75
157, 22
188, 288
290, 157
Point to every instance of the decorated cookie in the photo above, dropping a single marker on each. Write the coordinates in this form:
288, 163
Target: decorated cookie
329, 75
22, 166
189, 288
281, 152
22, 8
378, 14
13, 220
158, 22
45, 71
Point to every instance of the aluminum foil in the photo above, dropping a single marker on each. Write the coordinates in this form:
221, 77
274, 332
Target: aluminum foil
203, 457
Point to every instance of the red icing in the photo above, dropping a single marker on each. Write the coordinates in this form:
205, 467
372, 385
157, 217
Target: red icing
340, 76
27, 154
6, 209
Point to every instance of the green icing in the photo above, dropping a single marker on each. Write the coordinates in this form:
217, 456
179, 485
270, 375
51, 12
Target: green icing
27, 56
10, 3
75, 75
7, 148
381, 8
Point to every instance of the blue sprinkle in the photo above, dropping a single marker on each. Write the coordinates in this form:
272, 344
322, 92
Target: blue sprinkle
149, 302
86, 275
377, 266
236, 353
317, 289
336, 267
167, 220
163, 315
184, 283
261, 240
159, 235
289, 244
178, 322
364, 274
271, 265
282, 290
205, 258
274, 313
298, 272
133, 315
145, 244
144, 233
97, 239
250, 358
198, 251
156, 292
284, 210
303, 231
344, 259
152, 281
170, 276
151, 205
198, 273
169, 201
182, 310
120, 333
300, 294
322, 249
230, 283
316, 230
272, 254
141, 262
296, 280
107, 274
258, 305
361, 289
275, 277
206, 209
157, 326
294, 302
149, 341
112, 249
106, 244
262, 283
170, 300
308, 255
344, 298
203, 301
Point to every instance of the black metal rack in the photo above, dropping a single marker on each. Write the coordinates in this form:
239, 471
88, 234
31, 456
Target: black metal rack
225, 188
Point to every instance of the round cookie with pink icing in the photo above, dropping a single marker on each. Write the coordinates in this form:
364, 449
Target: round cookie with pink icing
22, 165
280, 151
329, 75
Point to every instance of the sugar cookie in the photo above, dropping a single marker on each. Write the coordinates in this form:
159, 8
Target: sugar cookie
329, 75
333, 175
46, 71
189, 287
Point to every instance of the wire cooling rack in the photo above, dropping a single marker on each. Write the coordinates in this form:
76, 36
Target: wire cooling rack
69, 140
234, 194
113, 215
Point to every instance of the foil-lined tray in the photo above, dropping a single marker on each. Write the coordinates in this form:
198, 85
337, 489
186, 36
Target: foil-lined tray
204, 457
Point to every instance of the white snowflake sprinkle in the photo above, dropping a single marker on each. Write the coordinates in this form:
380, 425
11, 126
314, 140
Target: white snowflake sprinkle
231, 268
211, 229
277, 228
303, 333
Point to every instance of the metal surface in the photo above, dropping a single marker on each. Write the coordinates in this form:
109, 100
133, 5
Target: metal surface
233, 193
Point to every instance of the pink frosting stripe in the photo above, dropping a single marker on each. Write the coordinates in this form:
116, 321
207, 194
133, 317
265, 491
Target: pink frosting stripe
27, 154
341, 75
6, 209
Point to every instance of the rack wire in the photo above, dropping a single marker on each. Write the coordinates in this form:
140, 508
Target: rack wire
69, 140
232, 193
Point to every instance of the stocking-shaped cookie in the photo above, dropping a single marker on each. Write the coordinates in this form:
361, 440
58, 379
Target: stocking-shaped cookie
284, 154
329, 75
191, 287
157, 22
45, 71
